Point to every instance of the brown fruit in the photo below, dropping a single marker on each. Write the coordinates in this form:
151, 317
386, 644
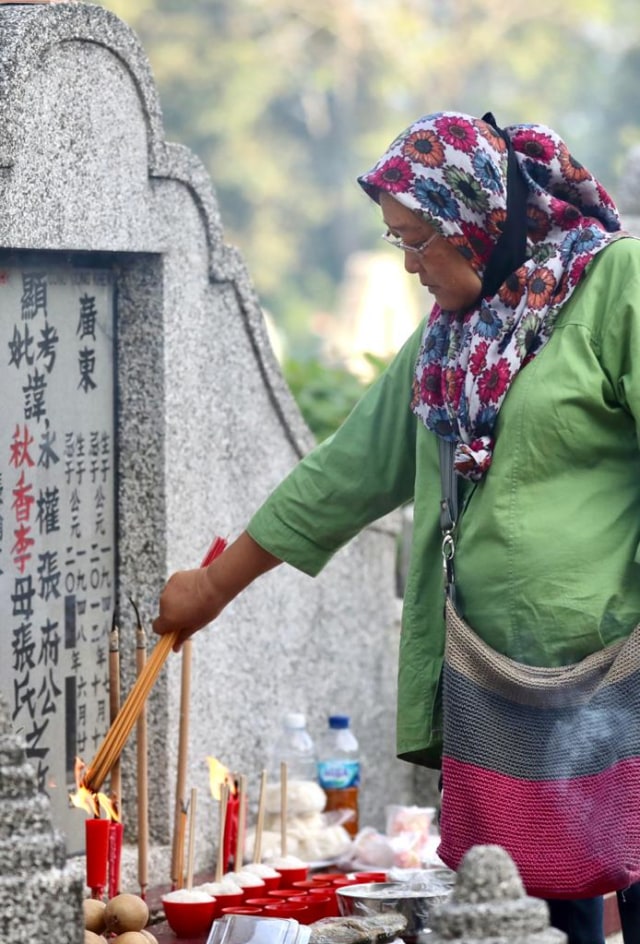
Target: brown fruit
126, 913
94, 915
130, 937
90, 937
149, 936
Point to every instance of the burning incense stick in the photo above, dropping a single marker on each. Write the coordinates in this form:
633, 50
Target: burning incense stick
224, 795
257, 847
109, 751
192, 837
142, 765
242, 818
283, 809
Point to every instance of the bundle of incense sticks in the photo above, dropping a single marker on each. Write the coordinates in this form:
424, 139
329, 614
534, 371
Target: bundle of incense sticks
109, 751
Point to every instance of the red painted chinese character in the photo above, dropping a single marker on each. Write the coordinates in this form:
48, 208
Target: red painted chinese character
21, 547
22, 499
20, 448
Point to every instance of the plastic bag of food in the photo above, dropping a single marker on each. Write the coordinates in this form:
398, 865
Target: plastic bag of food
412, 835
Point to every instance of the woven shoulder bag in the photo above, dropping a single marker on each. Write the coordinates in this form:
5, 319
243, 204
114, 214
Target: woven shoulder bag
544, 762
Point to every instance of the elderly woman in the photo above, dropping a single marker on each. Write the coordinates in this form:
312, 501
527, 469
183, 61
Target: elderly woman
529, 365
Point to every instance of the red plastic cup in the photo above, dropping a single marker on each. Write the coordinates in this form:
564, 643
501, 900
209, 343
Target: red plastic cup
271, 882
324, 900
228, 900
305, 885
253, 891
260, 903
280, 894
314, 906
289, 876
241, 909
362, 877
343, 880
287, 909
326, 877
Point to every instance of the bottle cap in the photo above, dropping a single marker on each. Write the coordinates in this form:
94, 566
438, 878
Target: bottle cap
295, 719
338, 721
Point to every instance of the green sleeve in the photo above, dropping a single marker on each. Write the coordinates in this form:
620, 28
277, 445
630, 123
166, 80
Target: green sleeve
362, 472
620, 335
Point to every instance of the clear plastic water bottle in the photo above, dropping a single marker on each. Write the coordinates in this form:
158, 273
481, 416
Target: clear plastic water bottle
294, 746
339, 769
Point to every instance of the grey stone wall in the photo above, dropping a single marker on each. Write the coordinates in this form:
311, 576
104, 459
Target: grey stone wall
206, 424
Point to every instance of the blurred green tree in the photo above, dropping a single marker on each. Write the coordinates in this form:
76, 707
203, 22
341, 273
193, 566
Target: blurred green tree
286, 101
326, 393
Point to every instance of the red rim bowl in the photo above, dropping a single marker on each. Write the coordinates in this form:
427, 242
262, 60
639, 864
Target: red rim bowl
190, 918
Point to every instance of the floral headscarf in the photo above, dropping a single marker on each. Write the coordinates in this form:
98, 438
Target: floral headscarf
452, 169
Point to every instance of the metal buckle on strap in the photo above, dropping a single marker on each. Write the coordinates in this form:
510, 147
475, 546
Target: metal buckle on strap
448, 550
448, 513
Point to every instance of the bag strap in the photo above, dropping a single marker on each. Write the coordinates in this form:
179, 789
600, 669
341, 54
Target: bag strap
448, 514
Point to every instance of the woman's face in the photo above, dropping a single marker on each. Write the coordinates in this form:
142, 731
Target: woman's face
440, 267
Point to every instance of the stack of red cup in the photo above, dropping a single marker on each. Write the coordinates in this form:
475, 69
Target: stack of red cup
307, 900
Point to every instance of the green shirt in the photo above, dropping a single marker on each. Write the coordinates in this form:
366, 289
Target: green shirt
547, 553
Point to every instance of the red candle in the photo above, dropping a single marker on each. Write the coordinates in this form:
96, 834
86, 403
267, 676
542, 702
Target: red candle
231, 829
116, 831
97, 844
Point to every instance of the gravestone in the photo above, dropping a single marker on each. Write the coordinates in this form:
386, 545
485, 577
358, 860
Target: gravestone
58, 530
145, 413
489, 904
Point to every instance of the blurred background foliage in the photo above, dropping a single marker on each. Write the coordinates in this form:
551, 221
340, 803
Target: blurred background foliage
286, 101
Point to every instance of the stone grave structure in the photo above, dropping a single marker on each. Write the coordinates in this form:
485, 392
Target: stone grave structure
489, 903
144, 414
40, 891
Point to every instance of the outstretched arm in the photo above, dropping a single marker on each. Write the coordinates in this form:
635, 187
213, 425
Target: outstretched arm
193, 598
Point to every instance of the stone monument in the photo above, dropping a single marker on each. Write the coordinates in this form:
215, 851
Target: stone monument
144, 414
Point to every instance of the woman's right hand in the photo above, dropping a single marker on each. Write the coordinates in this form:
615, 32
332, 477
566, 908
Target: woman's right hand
187, 603
193, 598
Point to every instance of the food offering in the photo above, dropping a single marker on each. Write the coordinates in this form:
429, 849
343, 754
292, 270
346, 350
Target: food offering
308, 832
120, 920
189, 911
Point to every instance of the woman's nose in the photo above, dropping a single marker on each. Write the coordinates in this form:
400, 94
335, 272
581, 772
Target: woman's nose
411, 263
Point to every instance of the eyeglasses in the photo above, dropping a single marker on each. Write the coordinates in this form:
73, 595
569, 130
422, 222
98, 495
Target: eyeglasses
406, 247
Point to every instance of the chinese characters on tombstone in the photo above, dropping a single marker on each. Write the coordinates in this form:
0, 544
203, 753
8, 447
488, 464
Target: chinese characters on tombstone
57, 517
